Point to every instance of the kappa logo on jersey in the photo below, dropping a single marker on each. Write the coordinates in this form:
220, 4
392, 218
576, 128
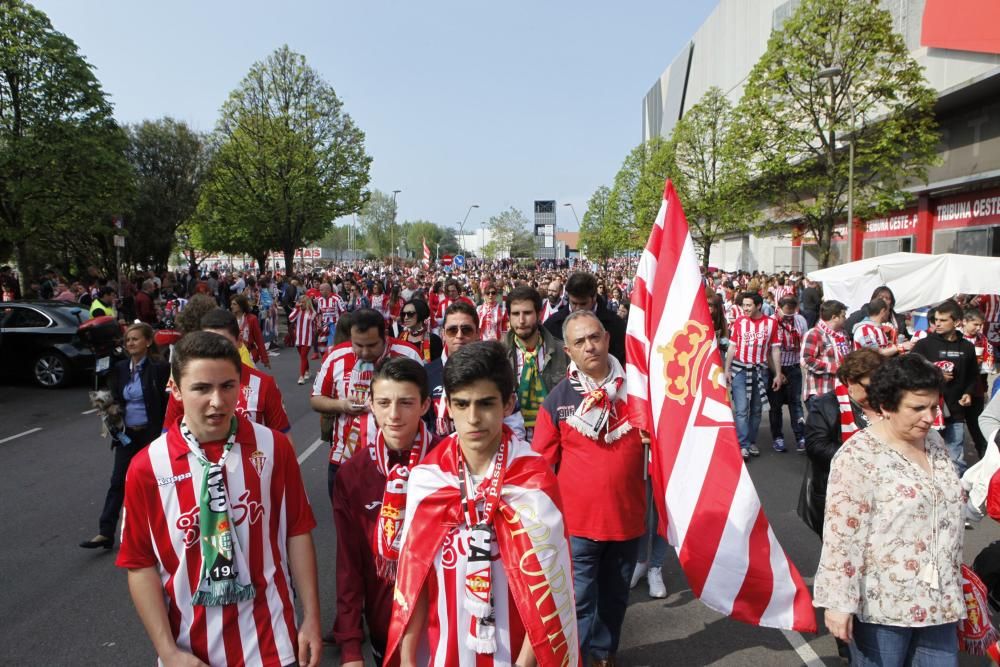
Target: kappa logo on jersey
165, 481
258, 459
239, 512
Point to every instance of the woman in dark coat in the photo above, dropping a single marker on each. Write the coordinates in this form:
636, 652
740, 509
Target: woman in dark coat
138, 385
825, 433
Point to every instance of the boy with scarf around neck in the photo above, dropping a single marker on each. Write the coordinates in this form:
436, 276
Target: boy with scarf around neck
484, 576
584, 433
217, 528
369, 504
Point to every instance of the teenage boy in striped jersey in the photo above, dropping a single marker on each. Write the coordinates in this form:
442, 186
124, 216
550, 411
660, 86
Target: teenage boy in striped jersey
217, 528
754, 353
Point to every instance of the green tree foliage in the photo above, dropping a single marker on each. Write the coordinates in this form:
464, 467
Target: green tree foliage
509, 235
795, 123
638, 191
62, 168
287, 160
168, 162
436, 236
600, 236
376, 221
709, 172
337, 239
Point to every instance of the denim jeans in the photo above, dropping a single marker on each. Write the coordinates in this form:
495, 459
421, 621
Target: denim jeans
653, 555
602, 575
954, 437
746, 413
790, 394
892, 646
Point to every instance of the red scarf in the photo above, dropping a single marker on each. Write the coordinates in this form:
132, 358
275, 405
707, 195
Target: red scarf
389, 527
848, 425
529, 530
976, 635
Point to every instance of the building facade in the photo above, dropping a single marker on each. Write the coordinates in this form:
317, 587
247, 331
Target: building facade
957, 44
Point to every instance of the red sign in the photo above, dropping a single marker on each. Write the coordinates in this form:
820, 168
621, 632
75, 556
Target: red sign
446, 260
968, 210
895, 224
962, 25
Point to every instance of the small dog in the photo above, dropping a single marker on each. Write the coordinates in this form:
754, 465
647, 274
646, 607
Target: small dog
112, 419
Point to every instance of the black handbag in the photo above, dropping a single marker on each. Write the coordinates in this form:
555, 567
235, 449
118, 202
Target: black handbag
811, 505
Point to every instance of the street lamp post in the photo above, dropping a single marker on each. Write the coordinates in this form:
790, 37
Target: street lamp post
392, 229
834, 73
572, 208
461, 227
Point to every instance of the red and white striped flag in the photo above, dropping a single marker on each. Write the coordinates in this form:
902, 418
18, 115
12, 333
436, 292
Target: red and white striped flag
427, 252
707, 503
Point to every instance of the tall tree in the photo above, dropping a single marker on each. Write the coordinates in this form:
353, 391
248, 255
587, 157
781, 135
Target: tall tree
600, 237
376, 220
440, 240
288, 159
509, 235
795, 121
168, 162
638, 190
62, 167
336, 239
710, 172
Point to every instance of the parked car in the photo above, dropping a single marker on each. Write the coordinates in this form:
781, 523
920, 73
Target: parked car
49, 341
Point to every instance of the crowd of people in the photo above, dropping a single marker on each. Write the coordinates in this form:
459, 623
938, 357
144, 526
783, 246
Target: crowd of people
489, 493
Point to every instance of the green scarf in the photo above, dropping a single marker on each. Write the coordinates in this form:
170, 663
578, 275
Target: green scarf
220, 576
530, 390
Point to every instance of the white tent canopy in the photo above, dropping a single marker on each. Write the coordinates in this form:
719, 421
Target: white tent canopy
915, 279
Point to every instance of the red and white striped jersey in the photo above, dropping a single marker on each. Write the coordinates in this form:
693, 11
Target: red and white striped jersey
781, 291
869, 334
380, 302
493, 321
260, 401
304, 322
990, 305
753, 339
267, 505
447, 618
334, 380
329, 308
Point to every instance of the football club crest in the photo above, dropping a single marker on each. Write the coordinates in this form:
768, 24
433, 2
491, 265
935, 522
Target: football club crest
258, 459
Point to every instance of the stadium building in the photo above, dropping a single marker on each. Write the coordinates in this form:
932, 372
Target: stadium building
957, 43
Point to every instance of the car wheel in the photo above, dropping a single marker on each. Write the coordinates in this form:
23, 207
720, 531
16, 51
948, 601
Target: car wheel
51, 370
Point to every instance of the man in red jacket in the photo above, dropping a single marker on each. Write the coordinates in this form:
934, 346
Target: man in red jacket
368, 506
583, 432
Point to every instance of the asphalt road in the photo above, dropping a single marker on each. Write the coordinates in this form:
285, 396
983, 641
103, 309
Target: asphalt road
61, 605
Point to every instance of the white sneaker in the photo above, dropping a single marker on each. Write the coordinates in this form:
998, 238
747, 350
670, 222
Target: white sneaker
657, 589
306, 376
302, 380
640, 572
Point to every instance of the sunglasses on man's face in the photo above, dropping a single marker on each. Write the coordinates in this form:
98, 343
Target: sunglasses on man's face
491, 292
409, 313
466, 329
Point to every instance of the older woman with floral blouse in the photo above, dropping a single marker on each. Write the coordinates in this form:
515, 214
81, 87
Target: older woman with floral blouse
889, 574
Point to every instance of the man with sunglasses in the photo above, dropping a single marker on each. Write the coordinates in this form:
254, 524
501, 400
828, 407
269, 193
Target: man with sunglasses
460, 327
493, 317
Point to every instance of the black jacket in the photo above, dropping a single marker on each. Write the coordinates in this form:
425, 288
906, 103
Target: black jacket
962, 353
823, 439
154, 375
612, 323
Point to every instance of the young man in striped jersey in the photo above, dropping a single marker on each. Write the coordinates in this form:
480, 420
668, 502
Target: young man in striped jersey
484, 575
754, 354
217, 528
342, 383
260, 399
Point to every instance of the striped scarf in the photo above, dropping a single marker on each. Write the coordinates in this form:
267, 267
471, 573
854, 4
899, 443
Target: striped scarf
530, 390
848, 425
424, 343
603, 413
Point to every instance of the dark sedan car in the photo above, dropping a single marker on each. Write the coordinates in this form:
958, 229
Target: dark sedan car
42, 340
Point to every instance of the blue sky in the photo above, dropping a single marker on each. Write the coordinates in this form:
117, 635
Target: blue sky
496, 104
